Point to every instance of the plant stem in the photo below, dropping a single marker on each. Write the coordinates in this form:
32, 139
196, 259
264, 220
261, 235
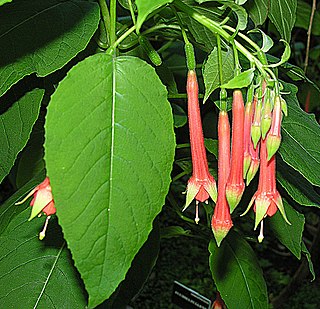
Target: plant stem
216, 28
158, 27
309, 35
113, 21
121, 38
179, 176
132, 12
236, 60
105, 17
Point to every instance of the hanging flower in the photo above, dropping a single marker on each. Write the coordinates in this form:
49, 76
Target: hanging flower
201, 185
267, 199
42, 202
235, 184
221, 220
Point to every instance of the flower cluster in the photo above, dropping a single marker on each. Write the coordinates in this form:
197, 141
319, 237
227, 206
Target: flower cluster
256, 136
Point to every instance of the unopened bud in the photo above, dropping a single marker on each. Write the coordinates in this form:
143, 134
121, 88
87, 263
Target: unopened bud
255, 134
252, 171
273, 144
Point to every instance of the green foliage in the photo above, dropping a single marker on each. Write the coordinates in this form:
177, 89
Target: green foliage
237, 274
289, 235
112, 211
283, 15
145, 7
15, 134
211, 70
2, 2
35, 271
79, 105
297, 186
258, 10
43, 36
303, 16
242, 80
300, 146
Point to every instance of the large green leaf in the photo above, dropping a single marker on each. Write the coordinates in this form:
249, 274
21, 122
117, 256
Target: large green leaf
16, 125
289, 235
41, 36
139, 271
296, 185
211, 70
34, 273
283, 16
145, 7
257, 10
300, 147
237, 274
109, 152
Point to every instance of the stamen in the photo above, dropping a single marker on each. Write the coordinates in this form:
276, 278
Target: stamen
43, 232
197, 219
30, 194
260, 237
206, 202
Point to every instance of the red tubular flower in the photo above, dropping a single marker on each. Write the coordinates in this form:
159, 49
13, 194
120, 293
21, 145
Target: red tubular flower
247, 135
201, 185
267, 199
221, 220
42, 202
235, 184
274, 135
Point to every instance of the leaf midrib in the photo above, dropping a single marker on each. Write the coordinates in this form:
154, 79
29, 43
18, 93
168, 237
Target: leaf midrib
243, 275
49, 275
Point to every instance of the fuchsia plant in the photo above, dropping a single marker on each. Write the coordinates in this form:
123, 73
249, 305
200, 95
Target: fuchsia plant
93, 101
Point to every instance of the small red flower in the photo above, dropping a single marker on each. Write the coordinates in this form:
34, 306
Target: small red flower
267, 199
201, 185
221, 220
218, 303
42, 202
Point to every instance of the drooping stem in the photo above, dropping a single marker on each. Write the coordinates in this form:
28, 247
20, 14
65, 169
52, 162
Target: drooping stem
216, 28
236, 60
